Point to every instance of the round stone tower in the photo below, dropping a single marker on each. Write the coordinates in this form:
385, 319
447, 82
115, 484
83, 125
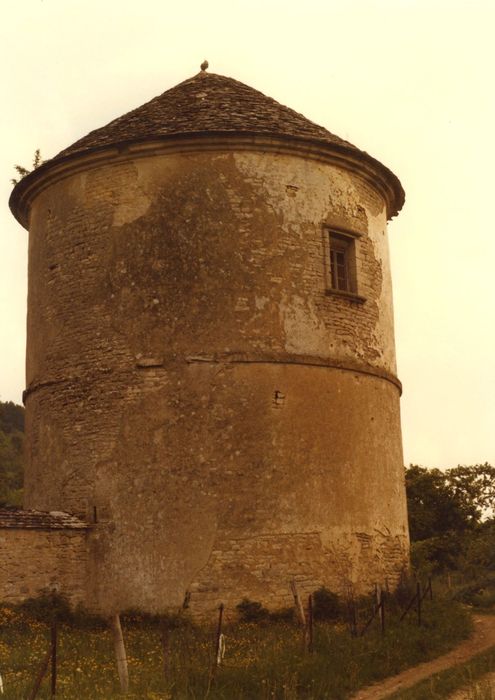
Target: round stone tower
211, 375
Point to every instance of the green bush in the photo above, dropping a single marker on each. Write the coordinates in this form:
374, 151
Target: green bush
326, 605
169, 621
282, 615
406, 589
251, 611
53, 607
48, 607
479, 593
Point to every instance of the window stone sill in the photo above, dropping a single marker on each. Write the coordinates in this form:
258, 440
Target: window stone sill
351, 296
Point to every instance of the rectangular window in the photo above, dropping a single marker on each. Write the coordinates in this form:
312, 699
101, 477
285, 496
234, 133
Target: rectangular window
340, 254
339, 265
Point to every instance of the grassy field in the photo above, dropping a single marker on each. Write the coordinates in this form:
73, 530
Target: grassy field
262, 660
442, 685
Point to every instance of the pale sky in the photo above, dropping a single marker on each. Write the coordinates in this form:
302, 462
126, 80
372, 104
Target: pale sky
409, 81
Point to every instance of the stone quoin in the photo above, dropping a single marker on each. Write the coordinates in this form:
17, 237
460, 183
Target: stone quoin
211, 386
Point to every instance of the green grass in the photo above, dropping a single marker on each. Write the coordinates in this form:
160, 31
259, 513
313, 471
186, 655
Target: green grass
261, 660
442, 685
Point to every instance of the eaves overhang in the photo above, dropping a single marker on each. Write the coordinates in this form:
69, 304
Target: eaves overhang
374, 173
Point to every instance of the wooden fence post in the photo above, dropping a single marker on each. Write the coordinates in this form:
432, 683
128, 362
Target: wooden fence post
53, 644
218, 650
120, 655
40, 676
298, 603
218, 640
351, 609
301, 614
382, 611
310, 623
165, 639
418, 598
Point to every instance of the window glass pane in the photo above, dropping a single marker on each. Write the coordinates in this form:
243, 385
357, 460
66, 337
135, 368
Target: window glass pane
339, 264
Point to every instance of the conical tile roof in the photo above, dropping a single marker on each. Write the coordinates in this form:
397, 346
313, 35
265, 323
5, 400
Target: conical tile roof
210, 105
206, 103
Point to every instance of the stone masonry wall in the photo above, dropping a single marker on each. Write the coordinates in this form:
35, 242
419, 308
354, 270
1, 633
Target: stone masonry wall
261, 568
33, 562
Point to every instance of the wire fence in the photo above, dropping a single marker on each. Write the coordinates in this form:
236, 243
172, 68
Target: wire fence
359, 622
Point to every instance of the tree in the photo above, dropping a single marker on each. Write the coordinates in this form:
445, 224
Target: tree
474, 488
441, 502
451, 519
22, 171
432, 507
11, 417
11, 453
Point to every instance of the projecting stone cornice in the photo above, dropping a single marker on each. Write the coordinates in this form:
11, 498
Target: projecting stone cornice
364, 166
301, 360
232, 358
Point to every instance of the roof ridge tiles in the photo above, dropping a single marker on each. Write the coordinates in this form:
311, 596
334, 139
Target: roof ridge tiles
21, 519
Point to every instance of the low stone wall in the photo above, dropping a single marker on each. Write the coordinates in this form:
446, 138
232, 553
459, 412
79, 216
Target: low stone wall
41, 552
